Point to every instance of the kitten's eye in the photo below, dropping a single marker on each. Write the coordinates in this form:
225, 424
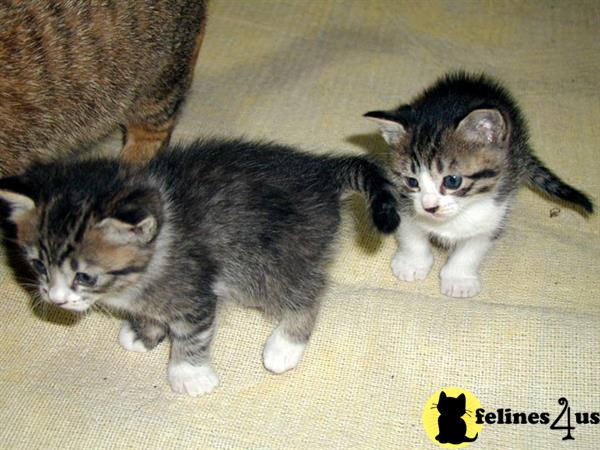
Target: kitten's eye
412, 182
85, 279
39, 267
452, 181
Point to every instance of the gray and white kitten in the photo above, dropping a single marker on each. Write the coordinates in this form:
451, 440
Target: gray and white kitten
165, 243
459, 153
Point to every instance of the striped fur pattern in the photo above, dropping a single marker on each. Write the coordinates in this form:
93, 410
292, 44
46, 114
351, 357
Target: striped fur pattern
72, 71
203, 222
459, 153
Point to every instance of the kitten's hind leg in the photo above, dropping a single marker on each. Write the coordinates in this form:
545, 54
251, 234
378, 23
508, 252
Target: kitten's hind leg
138, 335
190, 371
285, 346
459, 276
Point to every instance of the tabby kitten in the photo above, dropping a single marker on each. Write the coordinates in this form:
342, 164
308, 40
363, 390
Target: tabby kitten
165, 243
72, 71
459, 154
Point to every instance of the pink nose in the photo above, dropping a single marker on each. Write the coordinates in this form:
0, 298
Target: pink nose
430, 202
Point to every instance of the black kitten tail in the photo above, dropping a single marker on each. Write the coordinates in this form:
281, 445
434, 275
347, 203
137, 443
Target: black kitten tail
362, 175
543, 179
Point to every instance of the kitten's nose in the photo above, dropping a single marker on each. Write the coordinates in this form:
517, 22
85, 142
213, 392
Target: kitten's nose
430, 203
57, 296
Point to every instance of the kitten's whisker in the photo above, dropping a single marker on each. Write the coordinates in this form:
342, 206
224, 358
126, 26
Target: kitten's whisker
11, 240
104, 310
29, 285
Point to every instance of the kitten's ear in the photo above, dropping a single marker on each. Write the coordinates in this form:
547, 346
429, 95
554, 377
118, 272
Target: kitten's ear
123, 233
486, 126
442, 396
391, 129
135, 218
16, 194
462, 399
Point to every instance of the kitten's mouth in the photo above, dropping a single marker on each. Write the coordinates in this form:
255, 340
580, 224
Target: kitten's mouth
75, 307
437, 216
441, 214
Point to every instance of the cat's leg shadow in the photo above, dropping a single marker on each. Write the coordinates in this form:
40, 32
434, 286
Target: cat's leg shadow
373, 145
367, 237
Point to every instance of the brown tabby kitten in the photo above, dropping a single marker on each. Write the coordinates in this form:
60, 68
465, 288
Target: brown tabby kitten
74, 70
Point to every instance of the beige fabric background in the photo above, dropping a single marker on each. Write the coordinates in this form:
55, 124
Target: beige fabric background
303, 72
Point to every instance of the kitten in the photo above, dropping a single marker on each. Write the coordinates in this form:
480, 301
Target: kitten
452, 427
166, 242
459, 154
72, 71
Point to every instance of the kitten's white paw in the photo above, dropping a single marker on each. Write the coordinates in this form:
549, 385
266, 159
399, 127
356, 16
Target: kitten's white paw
466, 286
280, 354
411, 267
129, 340
192, 380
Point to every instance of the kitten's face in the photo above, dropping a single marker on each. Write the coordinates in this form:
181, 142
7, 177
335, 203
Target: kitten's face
445, 170
74, 272
84, 247
443, 184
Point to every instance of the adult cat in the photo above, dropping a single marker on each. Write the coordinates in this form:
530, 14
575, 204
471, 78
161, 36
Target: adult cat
72, 71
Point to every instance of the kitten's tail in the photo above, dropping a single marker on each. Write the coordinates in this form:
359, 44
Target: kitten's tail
473, 439
540, 177
363, 175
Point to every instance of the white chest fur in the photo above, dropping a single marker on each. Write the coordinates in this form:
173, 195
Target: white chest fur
483, 217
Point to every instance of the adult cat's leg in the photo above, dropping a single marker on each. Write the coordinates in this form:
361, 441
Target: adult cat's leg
144, 140
459, 276
152, 119
141, 335
414, 259
190, 371
285, 346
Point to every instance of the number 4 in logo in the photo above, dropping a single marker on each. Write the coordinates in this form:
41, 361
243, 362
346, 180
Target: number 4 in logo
568, 427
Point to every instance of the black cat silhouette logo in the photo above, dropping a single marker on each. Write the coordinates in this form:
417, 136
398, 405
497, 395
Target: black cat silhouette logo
449, 420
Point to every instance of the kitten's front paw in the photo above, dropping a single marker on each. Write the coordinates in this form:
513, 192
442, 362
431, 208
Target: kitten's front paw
186, 378
281, 354
411, 267
129, 340
466, 286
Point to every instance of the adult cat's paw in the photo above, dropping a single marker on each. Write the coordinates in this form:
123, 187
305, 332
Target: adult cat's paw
280, 354
129, 339
466, 286
186, 378
411, 267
